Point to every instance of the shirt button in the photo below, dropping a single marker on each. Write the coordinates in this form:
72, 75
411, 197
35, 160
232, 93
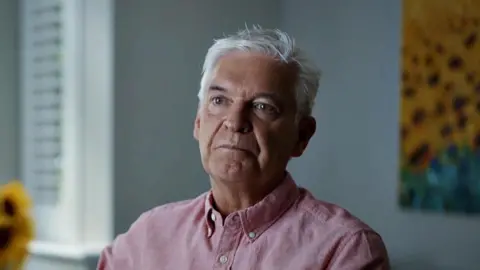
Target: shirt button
223, 259
213, 217
252, 235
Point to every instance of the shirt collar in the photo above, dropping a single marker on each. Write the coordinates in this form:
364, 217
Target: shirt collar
257, 218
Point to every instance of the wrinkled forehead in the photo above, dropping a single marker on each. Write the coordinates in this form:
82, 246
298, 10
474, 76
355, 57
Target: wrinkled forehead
250, 73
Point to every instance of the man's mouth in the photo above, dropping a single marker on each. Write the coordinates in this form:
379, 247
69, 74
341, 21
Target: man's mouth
235, 148
232, 147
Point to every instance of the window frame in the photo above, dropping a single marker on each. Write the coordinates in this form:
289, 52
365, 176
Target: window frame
81, 223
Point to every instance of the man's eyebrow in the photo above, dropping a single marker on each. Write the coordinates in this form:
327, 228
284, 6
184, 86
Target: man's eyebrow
269, 95
216, 87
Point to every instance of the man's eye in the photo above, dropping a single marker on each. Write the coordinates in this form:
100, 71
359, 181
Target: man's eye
267, 108
217, 100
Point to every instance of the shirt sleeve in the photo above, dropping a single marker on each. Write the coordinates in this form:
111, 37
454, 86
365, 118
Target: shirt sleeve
363, 250
121, 254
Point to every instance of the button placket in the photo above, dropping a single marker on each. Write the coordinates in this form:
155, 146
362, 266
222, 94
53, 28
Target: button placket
229, 241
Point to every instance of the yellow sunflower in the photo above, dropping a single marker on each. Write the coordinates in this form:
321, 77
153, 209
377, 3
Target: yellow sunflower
16, 225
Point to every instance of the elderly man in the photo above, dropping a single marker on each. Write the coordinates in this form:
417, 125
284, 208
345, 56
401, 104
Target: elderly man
254, 115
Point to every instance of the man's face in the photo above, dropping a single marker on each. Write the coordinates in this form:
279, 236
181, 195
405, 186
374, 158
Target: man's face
246, 124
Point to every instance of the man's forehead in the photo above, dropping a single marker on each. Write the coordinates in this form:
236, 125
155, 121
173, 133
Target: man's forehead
252, 70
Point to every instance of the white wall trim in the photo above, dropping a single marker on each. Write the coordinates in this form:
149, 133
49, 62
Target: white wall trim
97, 211
63, 251
67, 215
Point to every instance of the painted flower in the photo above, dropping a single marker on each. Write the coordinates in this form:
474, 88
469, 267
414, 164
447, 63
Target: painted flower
16, 225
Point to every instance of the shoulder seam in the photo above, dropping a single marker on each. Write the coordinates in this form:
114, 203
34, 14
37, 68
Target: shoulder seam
349, 237
321, 217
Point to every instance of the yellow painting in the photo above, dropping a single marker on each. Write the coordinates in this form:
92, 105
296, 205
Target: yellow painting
440, 106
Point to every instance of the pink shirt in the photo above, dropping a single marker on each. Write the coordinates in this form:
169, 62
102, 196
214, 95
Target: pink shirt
289, 229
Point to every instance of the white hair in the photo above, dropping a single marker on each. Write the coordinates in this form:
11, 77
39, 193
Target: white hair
271, 42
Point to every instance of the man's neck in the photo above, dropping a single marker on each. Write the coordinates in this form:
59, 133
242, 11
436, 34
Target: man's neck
232, 197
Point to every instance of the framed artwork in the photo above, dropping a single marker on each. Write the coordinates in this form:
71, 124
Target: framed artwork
440, 106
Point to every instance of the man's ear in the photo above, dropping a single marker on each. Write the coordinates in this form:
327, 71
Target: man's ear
196, 126
306, 128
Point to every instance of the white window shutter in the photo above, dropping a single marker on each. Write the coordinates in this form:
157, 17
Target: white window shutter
67, 114
51, 39
43, 41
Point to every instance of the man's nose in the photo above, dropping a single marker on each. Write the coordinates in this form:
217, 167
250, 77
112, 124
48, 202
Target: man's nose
238, 120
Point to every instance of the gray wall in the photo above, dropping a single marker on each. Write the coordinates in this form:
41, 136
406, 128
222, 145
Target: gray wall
9, 119
353, 158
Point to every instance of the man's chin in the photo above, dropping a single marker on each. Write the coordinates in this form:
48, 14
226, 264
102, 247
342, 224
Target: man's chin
234, 174
232, 168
